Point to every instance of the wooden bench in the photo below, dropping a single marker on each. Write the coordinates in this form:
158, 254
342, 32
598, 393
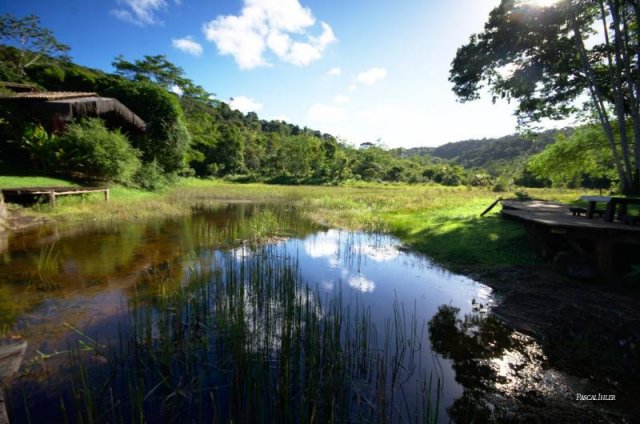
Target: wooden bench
17, 194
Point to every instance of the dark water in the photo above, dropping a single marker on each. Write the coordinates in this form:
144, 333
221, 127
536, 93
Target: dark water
249, 313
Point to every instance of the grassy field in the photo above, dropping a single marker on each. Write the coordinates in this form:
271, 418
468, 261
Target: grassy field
442, 222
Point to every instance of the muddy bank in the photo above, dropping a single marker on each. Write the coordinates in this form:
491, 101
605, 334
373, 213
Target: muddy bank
590, 329
12, 220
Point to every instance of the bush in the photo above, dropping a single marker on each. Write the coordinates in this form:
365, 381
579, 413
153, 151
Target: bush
503, 184
151, 176
87, 149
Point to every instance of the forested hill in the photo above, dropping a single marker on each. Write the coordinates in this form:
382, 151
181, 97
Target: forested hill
490, 153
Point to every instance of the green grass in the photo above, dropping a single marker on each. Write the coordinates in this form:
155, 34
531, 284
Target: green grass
18, 182
442, 222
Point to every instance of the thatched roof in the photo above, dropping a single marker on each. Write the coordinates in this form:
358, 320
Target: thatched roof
48, 95
64, 106
70, 108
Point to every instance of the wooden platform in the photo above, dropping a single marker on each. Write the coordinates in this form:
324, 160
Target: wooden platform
610, 246
30, 194
558, 215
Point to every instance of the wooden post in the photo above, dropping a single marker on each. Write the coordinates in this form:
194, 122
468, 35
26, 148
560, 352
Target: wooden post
605, 257
52, 198
491, 206
106, 194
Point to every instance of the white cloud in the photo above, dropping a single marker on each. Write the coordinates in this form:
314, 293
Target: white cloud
378, 253
371, 76
326, 114
187, 45
269, 25
353, 87
139, 12
341, 99
334, 72
245, 104
361, 283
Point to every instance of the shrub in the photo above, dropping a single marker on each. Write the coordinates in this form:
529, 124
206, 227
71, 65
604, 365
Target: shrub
503, 184
86, 149
150, 176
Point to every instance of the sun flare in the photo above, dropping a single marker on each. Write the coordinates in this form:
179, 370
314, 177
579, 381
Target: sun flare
542, 3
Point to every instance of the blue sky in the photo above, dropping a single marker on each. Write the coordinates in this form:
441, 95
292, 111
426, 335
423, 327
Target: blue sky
362, 70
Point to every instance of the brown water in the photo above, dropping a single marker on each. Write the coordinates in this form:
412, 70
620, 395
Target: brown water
87, 291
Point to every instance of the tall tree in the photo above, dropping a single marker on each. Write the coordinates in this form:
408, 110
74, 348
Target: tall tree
159, 70
545, 58
34, 43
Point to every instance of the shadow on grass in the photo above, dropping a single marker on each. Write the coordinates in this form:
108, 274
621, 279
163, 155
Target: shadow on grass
471, 241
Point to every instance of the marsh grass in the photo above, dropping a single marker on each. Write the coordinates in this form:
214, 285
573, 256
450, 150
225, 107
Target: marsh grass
244, 338
47, 266
442, 222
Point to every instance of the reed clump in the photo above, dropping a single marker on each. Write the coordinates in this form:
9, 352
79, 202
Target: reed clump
235, 337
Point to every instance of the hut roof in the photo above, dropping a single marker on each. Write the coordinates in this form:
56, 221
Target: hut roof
70, 108
68, 105
48, 95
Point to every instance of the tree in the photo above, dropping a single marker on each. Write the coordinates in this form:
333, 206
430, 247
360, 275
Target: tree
34, 44
545, 58
582, 159
158, 70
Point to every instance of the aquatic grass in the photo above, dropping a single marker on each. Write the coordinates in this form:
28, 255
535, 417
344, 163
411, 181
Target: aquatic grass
47, 266
247, 339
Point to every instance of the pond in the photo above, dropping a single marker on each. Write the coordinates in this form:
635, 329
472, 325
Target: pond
249, 313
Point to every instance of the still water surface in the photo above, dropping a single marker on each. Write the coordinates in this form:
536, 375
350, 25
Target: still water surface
194, 309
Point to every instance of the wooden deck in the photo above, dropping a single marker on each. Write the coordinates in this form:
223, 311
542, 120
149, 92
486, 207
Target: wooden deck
30, 194
611, 246
558, 215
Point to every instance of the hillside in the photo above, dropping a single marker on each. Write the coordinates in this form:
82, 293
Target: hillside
492, 154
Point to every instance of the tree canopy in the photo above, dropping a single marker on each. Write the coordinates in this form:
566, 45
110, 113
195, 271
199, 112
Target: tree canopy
158, 70
35, 44
547, 58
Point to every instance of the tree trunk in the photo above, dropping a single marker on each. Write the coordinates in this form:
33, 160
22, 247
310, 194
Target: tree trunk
598, 102
633, 90
616, 72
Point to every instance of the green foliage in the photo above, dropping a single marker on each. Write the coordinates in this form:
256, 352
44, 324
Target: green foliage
150, 176
503, 183
493, 156
158, 70
545, 58
89, 148
42, 149
166, 139
581, 160
35, 44
86, 149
